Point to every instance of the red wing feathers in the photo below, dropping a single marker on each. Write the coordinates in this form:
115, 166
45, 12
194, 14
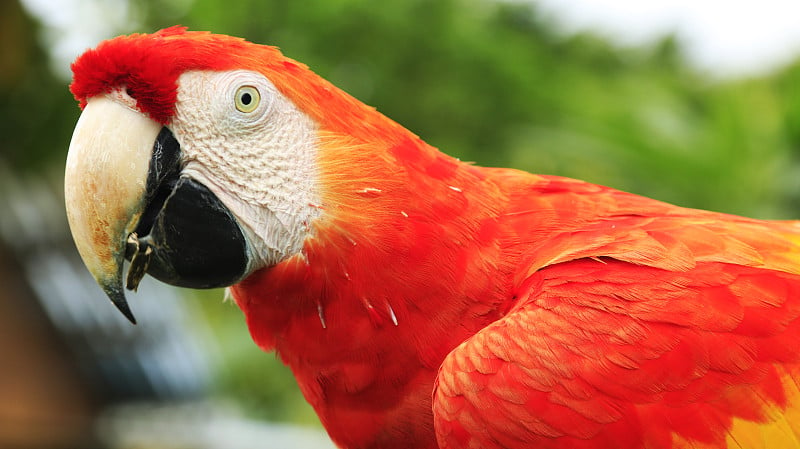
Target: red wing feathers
610, 354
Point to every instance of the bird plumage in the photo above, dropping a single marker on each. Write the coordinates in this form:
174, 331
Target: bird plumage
435, 303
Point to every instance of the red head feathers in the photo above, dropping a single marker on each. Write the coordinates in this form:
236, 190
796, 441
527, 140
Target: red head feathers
148, 66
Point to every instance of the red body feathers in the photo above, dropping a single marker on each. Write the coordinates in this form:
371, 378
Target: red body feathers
439, 304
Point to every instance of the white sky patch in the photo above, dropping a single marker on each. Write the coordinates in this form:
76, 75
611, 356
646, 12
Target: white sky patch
726, 38
72, 26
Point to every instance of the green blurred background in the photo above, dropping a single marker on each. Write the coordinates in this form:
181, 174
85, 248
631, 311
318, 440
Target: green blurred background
490, 82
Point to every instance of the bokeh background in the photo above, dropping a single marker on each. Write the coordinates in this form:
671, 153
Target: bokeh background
496, 82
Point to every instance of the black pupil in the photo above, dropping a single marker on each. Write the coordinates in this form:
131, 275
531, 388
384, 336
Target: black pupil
246, 99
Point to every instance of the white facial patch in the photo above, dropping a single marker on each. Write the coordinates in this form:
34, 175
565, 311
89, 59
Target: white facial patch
255, 150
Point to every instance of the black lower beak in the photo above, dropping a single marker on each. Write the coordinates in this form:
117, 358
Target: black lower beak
186, 236
194, 241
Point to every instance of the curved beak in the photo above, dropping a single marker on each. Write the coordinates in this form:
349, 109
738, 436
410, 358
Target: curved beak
104, 187
127, 198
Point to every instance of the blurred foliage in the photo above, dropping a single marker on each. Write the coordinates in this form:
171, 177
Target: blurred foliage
490, 82
37, 113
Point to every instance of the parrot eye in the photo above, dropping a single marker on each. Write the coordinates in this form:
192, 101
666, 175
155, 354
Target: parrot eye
247, 98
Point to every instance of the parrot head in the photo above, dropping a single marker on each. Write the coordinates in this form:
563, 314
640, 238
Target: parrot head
196, 158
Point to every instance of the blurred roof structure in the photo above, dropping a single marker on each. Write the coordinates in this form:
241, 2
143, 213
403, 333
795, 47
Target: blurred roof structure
71, 348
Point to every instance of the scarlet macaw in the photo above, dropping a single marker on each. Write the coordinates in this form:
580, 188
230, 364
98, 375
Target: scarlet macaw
420, 301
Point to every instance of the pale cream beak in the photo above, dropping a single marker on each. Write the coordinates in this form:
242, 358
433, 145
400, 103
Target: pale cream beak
104, 187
